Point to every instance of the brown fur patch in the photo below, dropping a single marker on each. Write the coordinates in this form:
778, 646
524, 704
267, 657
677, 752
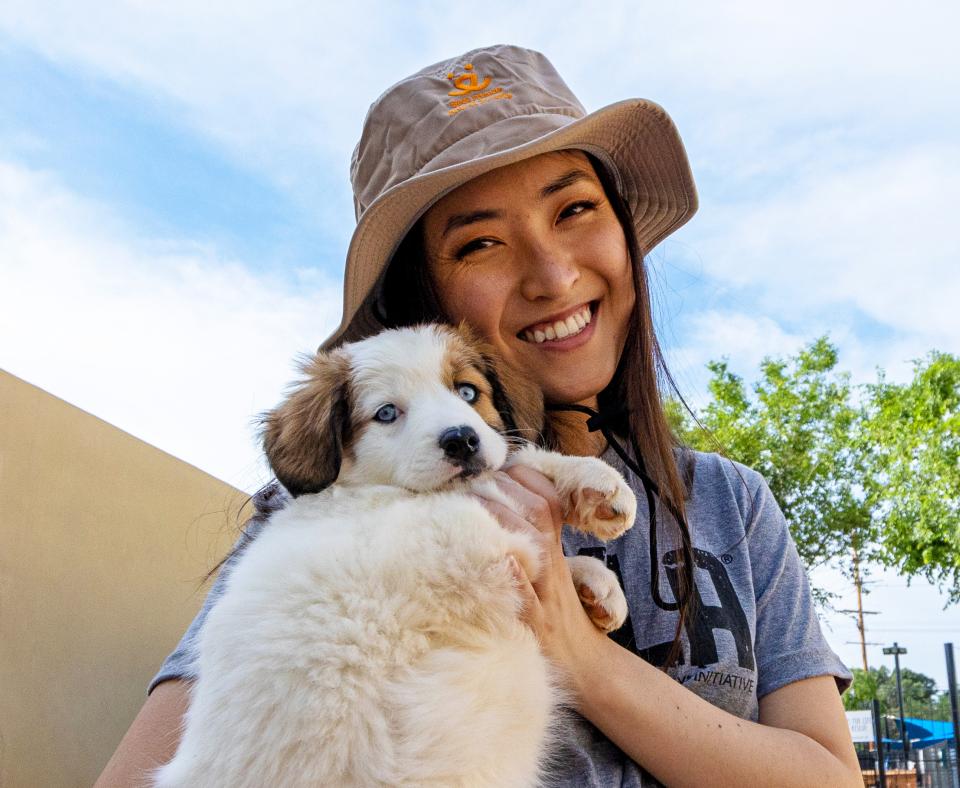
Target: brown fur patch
484, 404
515, 399
463, 363
305, 436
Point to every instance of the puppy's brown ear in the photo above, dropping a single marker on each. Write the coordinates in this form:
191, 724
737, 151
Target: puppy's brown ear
518, 399
304, 437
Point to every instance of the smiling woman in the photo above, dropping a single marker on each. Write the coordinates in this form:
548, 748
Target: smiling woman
527, 219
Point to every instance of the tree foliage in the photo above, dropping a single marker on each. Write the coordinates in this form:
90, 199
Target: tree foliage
920, 696
912, 434
863, 473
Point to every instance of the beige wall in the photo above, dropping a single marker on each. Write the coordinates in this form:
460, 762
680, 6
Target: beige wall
103, 542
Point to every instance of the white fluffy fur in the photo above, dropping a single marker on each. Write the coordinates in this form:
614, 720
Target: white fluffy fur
370, 634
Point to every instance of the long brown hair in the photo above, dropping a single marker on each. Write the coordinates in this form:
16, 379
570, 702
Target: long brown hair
409, 296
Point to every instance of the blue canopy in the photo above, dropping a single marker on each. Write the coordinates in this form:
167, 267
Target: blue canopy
922, 733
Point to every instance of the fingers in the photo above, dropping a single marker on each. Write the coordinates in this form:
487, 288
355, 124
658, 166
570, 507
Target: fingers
536, 496
531, 612
535, 483
508, 518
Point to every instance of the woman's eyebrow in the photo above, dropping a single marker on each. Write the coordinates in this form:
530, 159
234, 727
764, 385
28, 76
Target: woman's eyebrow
565, 180
463, 219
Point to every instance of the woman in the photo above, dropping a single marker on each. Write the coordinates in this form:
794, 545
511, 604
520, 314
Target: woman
527, 218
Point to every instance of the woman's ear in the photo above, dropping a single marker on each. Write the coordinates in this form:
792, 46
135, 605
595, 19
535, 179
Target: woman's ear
304, 437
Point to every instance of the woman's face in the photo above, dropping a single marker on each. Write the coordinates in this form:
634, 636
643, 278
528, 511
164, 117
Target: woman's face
533, 257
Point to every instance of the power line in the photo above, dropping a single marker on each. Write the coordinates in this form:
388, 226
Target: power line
910, 628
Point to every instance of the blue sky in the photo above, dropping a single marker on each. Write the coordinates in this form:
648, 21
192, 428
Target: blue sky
113, 144
174, 202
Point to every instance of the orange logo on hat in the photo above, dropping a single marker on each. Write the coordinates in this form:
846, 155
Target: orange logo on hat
470, 86
466, 83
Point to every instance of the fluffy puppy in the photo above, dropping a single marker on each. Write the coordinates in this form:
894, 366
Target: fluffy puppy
370, 634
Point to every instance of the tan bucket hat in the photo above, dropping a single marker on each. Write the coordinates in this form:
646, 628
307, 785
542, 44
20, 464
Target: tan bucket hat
490, 107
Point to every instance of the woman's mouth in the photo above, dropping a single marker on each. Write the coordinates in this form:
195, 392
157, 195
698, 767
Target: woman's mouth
566, 328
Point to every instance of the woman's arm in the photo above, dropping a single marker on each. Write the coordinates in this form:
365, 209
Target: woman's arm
152, 738
802, 738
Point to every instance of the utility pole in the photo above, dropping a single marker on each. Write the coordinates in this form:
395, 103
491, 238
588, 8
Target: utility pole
862, 642
858, 583
897, 651
860, 612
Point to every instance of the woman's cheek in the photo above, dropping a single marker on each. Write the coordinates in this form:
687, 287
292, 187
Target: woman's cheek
473, 296
456, 300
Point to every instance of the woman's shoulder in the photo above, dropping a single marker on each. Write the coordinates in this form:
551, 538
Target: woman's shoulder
269, 499
711, 468
714, 480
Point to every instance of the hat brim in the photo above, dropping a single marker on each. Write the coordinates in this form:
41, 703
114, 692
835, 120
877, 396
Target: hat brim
635, 138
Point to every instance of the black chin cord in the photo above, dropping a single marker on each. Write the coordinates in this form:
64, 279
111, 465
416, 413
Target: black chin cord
601, 422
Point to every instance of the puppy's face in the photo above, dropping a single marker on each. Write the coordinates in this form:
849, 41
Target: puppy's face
413, 408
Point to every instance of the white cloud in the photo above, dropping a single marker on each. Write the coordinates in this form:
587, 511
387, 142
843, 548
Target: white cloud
268, 77
744, 340
873, 237
163, 339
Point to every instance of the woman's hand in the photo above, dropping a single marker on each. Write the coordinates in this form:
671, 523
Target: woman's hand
552, 608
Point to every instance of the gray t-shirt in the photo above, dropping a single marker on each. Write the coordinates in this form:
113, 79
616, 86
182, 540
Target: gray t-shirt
754, 629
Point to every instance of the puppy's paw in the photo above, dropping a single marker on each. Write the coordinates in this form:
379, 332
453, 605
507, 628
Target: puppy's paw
599, 500
599, 592
595, 497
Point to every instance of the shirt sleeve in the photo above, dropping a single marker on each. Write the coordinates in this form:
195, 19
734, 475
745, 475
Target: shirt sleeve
181, 662
789, 643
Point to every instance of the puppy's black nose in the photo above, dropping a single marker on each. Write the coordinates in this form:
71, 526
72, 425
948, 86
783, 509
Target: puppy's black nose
460, 444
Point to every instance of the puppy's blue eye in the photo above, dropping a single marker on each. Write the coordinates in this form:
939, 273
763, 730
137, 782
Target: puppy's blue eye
386, 414
467, 392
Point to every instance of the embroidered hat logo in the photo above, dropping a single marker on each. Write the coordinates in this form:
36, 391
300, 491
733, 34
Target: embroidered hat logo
471, 90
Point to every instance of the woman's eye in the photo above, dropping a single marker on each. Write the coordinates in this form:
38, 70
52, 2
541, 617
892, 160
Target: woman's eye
386, 414
474, 246
467, 392
578, 208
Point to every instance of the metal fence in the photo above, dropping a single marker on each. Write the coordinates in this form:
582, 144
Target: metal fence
931, 767
931, 758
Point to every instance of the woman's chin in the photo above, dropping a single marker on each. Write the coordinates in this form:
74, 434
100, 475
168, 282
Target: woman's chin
584, 394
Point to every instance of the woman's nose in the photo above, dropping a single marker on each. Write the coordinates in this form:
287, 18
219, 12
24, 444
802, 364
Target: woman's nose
547, 272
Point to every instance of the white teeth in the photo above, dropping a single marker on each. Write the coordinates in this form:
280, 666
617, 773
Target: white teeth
560, 329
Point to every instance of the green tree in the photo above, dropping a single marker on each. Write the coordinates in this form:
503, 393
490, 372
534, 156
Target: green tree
865, 475
912, 435
942, 709
798, 428
920, 696
863, 690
